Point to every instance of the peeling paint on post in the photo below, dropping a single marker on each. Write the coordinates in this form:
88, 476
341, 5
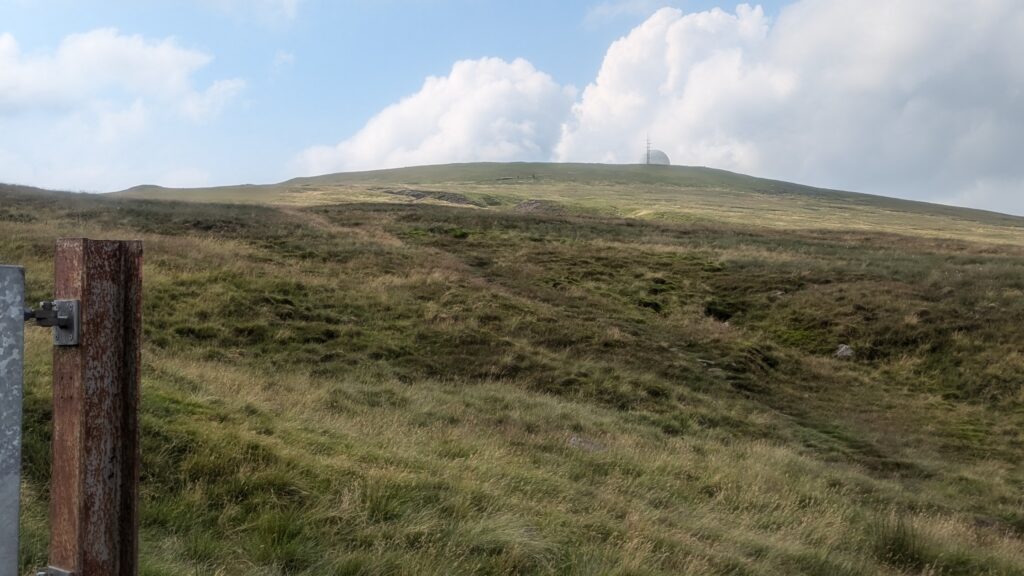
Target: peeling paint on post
94, 484
12, 346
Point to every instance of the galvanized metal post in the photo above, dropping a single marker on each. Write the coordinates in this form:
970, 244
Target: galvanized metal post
12, 346
94, 484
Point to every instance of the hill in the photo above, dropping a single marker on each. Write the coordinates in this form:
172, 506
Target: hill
435, 371
668, 193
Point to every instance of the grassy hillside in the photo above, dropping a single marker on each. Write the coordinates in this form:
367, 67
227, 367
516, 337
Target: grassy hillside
677, 193
510, 377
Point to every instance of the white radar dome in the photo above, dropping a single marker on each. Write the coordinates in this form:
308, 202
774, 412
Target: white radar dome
658, 158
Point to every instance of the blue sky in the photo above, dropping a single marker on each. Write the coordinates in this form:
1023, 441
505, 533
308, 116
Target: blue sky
202, 92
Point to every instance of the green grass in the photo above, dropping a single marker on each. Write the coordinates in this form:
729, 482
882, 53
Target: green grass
423, 386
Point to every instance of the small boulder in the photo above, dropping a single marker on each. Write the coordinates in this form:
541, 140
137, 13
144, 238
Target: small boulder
844, 352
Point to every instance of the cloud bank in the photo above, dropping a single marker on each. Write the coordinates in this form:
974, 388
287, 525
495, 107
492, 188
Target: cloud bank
916, 98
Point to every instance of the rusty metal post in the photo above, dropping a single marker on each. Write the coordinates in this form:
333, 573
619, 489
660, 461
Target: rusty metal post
94, 485
12, 354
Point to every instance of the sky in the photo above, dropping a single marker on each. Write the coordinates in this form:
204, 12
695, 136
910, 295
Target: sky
920, 99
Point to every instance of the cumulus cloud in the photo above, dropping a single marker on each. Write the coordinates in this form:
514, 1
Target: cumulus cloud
912, 98
668, 78
483, 110
104, 64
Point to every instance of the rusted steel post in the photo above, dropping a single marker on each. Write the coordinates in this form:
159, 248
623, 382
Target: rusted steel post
94, 485
12, 346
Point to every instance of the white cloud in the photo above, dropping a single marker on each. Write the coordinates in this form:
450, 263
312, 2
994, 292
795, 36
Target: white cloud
484, 110
913, 98
116, 125
200, 106
104, 64
674, 75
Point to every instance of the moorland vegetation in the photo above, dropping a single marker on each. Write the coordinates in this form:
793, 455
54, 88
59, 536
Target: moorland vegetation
483, 370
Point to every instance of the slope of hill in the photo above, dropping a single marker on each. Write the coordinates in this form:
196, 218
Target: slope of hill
345, 376
676, 193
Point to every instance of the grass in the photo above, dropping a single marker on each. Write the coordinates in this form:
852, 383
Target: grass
423, 386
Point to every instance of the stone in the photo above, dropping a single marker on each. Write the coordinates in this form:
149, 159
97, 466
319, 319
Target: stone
844, 352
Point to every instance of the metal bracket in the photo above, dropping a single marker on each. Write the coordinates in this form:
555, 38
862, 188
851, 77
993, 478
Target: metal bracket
63, 315
51, 571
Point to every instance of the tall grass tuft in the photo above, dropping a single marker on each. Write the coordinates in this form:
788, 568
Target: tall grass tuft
895, 540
